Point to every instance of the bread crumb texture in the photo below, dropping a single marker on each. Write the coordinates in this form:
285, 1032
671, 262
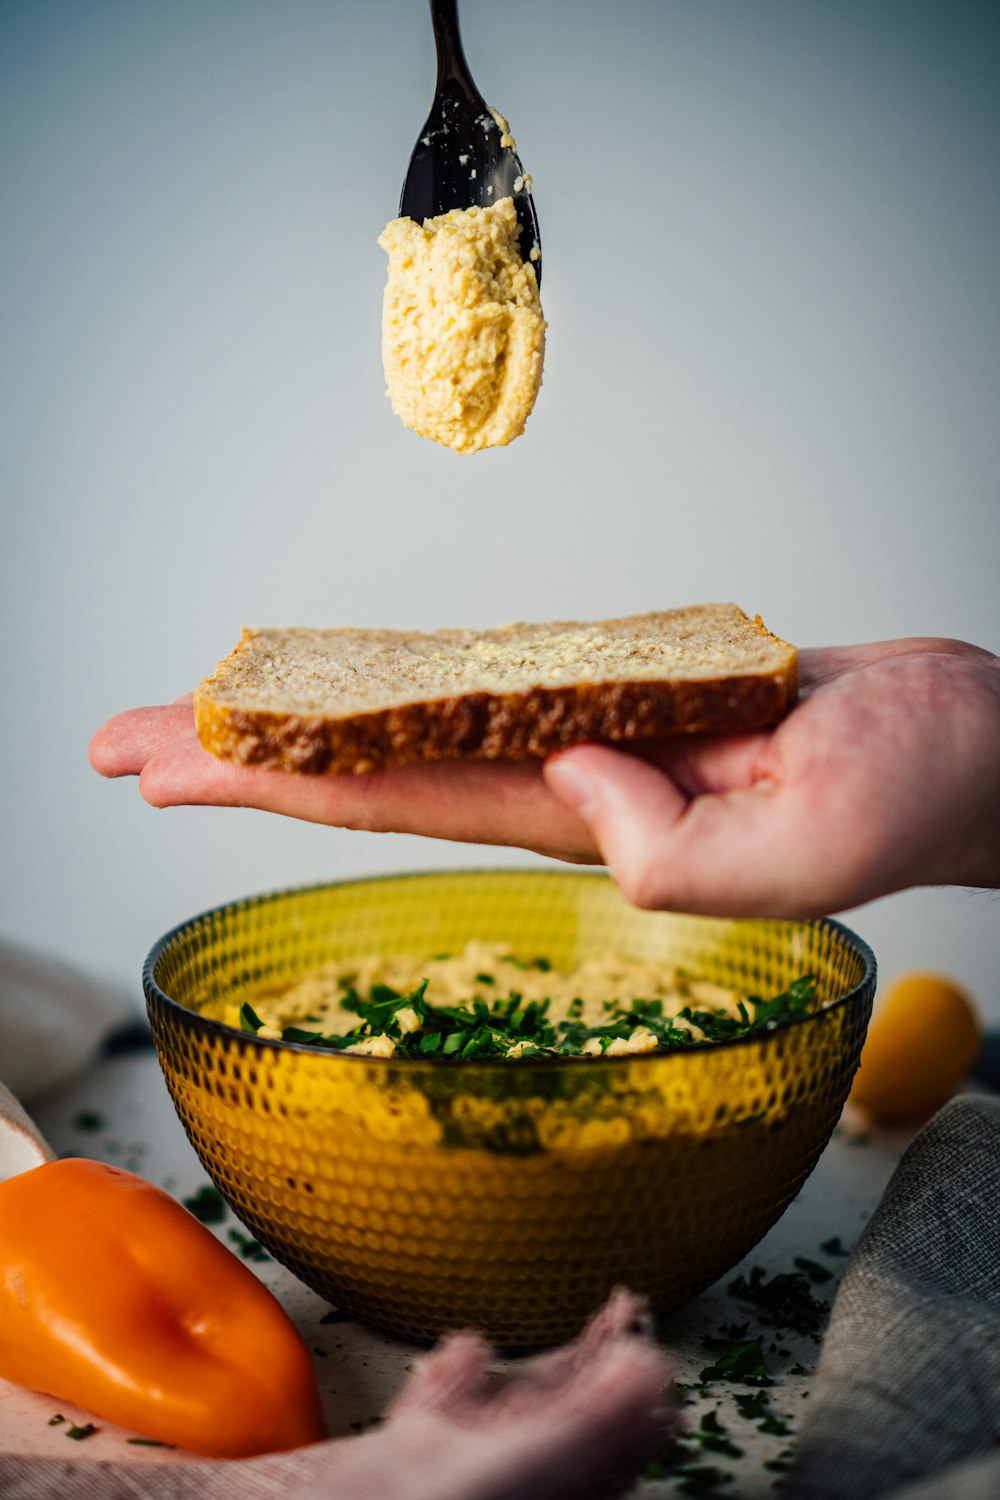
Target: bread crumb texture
360, 700
463, 336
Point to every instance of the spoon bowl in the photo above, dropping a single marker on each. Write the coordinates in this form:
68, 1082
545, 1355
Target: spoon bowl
465, 155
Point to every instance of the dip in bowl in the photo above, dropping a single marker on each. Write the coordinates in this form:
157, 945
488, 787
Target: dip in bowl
421, 1194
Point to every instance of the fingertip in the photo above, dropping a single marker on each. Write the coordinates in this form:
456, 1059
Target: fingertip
151, 788
577, 775
568, 779
101, 751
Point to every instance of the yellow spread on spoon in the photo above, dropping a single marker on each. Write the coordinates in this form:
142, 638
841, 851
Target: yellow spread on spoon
463, 336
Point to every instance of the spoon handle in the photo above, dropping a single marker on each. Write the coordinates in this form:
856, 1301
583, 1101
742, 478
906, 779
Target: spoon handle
448, 40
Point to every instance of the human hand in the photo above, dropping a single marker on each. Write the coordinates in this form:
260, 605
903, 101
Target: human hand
885, 775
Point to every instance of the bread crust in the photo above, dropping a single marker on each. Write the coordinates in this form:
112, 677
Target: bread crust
495, 726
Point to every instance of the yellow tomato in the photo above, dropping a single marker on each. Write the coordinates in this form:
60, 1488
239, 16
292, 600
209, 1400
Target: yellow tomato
922, 1041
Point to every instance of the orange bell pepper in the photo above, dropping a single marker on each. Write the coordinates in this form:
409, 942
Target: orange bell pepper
114, 1297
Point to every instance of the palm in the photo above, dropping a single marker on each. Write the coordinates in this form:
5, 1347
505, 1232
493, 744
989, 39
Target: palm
884, 775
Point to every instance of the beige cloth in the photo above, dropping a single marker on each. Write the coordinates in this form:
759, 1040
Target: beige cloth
52, 1016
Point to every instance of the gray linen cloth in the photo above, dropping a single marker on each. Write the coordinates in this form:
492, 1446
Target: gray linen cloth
908, 1385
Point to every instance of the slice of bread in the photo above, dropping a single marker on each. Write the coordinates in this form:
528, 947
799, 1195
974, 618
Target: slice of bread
361, 700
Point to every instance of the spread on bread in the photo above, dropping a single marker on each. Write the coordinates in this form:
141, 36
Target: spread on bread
353, 700
463, 336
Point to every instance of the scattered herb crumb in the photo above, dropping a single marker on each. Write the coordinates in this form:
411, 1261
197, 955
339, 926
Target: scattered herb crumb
782, 1462
702, 1479
671, 1459
738, 1360
711, 1435
88, 1119
783, 1300
833, 1246
249, 1248
79, 1433
817, 1274
207, 1204
149, 1443
55, 1421
753, 1404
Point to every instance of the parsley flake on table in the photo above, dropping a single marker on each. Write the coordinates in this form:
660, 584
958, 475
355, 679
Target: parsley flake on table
752, 1404
249, 1248
817, 1274
207, 1204
712, 1436
782, 1301
738, 1360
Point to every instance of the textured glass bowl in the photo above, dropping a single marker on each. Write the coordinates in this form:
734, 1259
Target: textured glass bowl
509, 1197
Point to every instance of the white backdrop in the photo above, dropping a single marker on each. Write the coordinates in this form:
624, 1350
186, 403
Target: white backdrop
771, 236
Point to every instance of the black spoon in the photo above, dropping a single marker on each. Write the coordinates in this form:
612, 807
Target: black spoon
459, 160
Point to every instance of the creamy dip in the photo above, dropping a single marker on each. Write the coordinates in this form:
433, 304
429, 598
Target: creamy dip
463, 336
593, 993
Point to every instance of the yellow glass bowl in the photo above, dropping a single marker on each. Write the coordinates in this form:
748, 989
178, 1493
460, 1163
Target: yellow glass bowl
509, 1197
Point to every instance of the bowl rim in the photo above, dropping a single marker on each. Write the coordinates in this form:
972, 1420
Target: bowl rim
153, 992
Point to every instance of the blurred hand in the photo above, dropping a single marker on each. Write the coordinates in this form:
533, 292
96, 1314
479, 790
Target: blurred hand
885, 775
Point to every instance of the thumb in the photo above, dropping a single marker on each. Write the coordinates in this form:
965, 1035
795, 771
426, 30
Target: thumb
632, 810
725, 854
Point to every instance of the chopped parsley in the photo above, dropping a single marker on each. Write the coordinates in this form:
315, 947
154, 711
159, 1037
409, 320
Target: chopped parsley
753, 1405
702, 1479
88, 1119
833, 1247
509, 1026
249, 1019
249, 1248
783, 1300
207, 1204
79, 1433
816, 1273
737, 1360
712, 1436
782, 1462
671, 1459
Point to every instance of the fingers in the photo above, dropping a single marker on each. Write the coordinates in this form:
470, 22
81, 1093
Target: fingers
824, 664
742, 852
486, 803
710, 763
474, 802
123, 745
